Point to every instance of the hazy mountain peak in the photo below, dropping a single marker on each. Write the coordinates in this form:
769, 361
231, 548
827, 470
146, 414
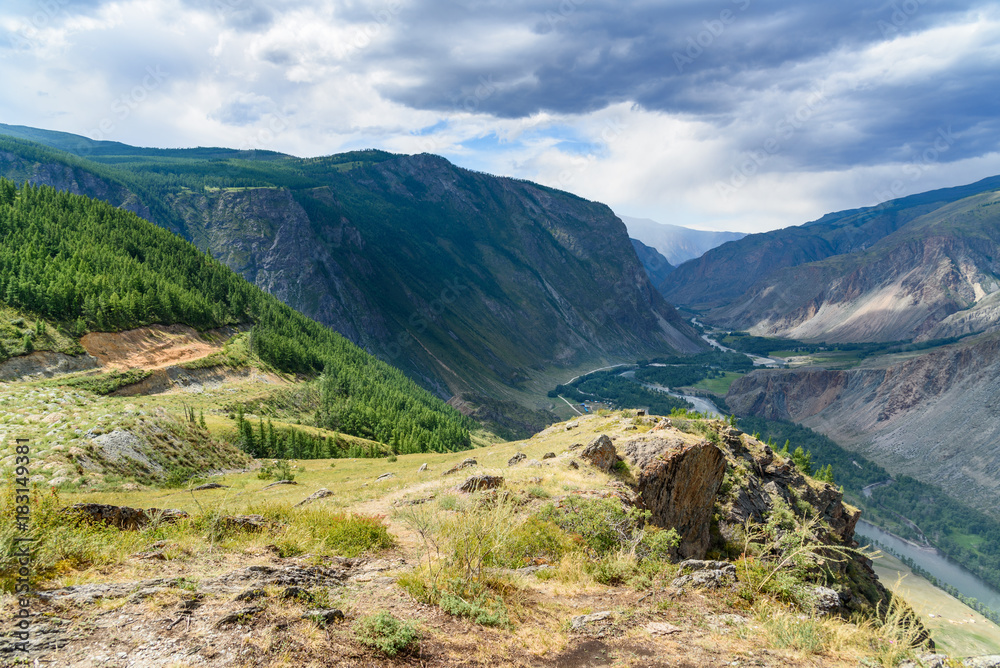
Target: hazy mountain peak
677, 244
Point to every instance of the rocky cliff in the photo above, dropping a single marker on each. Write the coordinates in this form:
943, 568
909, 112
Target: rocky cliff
919, 267
932, 417
470, 283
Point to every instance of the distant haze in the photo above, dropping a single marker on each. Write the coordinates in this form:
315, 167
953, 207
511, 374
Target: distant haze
677, 244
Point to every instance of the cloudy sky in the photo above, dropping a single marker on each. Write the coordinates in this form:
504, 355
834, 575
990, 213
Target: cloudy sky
731, 114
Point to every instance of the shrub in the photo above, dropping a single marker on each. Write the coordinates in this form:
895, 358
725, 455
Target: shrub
476, 602
385, 633
351, 535
605, 525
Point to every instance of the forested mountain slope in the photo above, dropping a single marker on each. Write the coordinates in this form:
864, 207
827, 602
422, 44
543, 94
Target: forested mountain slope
468, 282
86, 266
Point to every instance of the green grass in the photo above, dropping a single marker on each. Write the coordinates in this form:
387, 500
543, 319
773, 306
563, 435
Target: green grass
949, 627
718, 385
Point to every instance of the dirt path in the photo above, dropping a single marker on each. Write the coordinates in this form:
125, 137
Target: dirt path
154, 347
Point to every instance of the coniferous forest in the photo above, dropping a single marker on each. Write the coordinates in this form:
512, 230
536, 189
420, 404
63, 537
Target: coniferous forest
87, 266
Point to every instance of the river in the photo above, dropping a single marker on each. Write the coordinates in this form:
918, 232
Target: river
701, 404
935, 564
769, 362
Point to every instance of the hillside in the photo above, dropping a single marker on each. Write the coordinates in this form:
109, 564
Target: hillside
853, 274
656, 266
72, 268
472, 284
677, 244
930, 416
502, 576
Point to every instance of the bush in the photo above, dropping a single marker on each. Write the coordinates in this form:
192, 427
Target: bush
385, 633
534, 540
351, 535
605, 525
476, 602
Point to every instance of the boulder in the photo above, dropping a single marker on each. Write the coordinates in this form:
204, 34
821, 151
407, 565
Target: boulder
679, 490
705, 574
320, 493
549, 455
466, 463
824, 600
210, 485
123, 517
279, 482
423, 467
516, 459
640, 451
385, 476
601, 453
481, 482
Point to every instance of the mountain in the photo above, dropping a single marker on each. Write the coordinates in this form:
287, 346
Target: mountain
656, 266
76, 266
676, 244
920, 267
932, 417
470, 283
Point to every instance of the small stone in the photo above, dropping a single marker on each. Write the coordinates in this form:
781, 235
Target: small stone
581, 622
279, 482
423, 467
320, 493
240, 616
385, 476
549, 455
516, 459
573, 465
324, 617
466, 463
481, 482
211, 485
251, 595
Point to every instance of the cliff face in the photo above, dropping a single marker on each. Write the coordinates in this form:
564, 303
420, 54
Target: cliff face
470, 283
916, 269
932, 417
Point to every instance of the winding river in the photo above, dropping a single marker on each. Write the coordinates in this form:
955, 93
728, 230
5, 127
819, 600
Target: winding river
935, 564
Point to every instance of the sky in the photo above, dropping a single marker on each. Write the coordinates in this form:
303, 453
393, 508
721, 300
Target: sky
743, 115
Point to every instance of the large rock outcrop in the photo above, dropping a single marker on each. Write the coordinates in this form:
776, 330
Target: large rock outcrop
679, 489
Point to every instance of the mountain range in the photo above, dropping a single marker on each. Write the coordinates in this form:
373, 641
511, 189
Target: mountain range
677, 244
474, 285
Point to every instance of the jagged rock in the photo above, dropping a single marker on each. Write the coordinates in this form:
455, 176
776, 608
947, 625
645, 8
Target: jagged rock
549, 455
297, 593
210, 485
239, 616
706, 574
679, 490
279, 482
123, 517
825, 600
600, 453
385, 476
582, 623
251, 594
466, 463
423, 467
248, 523
662, 629
640, 451
324, 617
992, 661
573, 465
320, 493
516, 459
481, 482
575, 446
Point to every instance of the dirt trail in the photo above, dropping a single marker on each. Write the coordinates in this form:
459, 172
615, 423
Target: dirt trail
154, 347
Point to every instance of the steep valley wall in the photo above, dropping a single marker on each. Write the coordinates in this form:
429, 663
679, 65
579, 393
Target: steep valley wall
935, 417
